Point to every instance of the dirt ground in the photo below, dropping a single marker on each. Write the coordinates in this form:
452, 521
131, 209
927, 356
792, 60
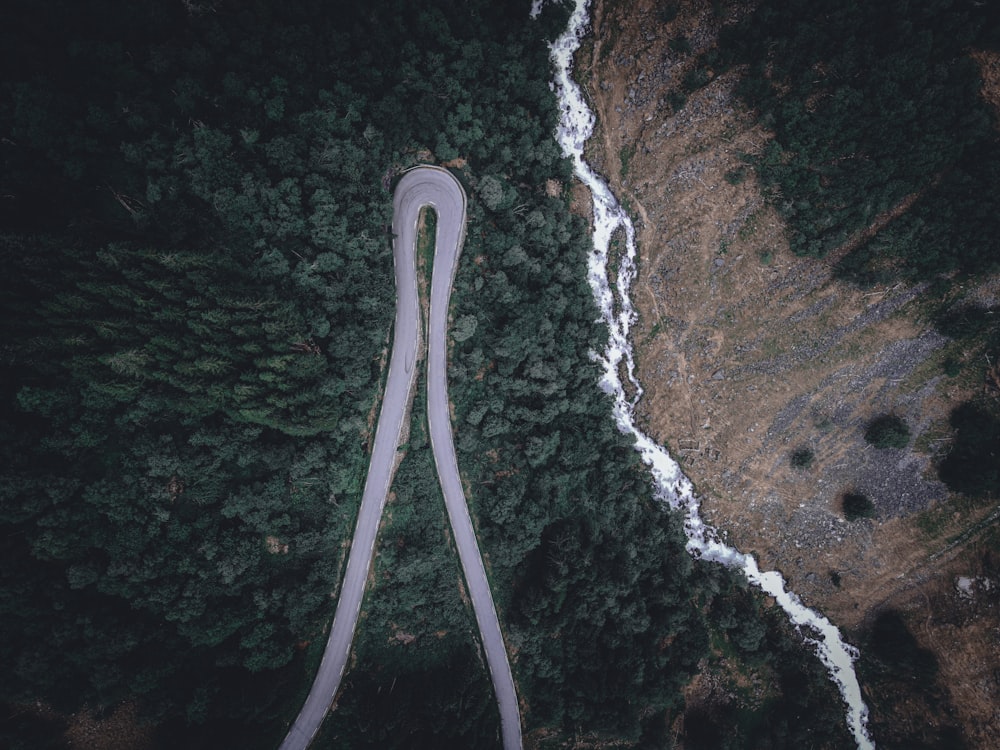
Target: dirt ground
748, 353
122, 729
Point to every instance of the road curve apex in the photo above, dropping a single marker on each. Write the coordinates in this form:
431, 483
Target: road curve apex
425, 169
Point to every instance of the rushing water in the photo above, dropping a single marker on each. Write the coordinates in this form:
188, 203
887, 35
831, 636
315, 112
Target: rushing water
671, 486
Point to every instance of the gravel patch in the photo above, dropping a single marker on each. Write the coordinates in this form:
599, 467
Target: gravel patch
814, 348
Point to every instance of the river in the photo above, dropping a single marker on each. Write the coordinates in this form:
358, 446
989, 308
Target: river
671, 487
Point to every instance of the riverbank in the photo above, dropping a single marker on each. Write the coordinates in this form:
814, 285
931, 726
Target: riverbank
612, 270
748, 354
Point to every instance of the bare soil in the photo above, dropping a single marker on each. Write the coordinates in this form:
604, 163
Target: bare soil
748, 353
122, 729
989, 68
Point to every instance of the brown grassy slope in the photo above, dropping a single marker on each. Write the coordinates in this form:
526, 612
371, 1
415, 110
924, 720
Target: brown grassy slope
748, 352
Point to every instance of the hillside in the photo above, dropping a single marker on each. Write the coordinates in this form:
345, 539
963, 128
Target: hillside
772, 337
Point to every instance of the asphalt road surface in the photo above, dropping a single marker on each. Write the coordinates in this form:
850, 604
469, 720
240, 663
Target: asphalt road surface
423, 186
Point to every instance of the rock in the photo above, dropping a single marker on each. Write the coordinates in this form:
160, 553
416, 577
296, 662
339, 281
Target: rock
964, 586
719, 375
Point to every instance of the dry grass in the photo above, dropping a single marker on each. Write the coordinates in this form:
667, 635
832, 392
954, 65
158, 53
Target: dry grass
121, 730
748, 352
989, 69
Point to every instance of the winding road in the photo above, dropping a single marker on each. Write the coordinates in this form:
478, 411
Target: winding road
419, 187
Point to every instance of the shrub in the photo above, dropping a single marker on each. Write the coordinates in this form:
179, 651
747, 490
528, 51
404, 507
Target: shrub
695, 78
802, 458
676, 100
737, 175
680, 44
668, 12
952, 367
857, 506
888, 431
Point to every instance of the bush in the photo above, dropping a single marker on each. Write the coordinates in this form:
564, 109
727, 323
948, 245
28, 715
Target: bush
952, 367
802, 458
680, 44
857, 506
669, 12
888, 431
695, 78
737, 175
676, 100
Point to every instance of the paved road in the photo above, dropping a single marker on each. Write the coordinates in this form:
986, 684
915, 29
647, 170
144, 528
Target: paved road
419, 187
447, 196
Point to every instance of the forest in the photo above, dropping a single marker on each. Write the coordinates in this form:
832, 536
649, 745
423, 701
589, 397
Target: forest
197, 301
